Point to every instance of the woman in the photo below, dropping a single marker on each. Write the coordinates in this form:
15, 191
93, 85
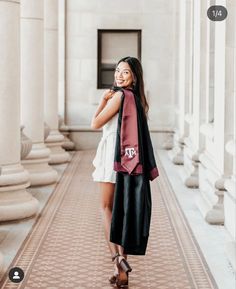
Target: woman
128, 75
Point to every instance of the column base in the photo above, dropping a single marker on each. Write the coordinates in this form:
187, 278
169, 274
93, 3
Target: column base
213, 215
230, 251
36, 163
168, 142
176, 154
68, 144
192, 182
15, 201
211, 185
191, 162
54, 142
230, 218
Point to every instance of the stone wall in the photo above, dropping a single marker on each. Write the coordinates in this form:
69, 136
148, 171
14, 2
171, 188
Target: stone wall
156, 20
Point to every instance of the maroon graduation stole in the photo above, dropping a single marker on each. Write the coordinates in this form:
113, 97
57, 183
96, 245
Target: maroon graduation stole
129, 144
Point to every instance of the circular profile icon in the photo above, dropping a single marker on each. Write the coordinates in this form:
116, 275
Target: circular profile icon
16, 275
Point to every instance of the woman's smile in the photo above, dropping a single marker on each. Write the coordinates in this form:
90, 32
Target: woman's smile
119, 81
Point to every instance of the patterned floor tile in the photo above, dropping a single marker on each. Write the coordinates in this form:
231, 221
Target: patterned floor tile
66, 247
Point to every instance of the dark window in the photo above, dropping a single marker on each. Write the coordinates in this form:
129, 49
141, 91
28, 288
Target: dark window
112, 46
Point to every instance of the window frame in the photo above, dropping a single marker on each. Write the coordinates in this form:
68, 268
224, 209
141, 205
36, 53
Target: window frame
99, 50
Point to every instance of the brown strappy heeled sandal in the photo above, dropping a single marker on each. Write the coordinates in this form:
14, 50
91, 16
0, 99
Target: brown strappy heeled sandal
113, 278
121, 280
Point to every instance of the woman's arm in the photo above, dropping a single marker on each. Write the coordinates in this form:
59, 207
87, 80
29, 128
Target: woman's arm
105, 97
108, 107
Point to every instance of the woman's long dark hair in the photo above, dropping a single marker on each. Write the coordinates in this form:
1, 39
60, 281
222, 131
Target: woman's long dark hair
138, 84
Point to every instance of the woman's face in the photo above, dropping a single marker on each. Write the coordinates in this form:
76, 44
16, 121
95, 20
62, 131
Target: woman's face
123, 75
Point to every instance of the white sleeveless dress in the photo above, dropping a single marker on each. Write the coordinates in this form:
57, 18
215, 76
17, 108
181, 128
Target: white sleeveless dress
104, 159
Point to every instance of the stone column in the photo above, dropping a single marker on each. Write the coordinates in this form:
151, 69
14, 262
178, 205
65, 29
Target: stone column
230, 87
194, 142
213, 161
188, 118
63, 128
61, 58
55, 139
176, 154
32, 89
229, 202
15, 201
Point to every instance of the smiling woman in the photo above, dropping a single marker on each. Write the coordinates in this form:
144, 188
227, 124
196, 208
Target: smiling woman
122, 98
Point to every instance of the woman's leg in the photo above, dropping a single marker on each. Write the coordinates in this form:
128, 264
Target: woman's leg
121, 252
107, 196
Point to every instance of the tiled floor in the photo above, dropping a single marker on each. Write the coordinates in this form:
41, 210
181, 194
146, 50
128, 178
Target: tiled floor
12, 234
67, 249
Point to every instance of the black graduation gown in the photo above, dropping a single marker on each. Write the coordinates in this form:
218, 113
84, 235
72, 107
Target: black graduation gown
131, 214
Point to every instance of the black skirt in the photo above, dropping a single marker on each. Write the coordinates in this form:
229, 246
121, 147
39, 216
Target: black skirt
131, 214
